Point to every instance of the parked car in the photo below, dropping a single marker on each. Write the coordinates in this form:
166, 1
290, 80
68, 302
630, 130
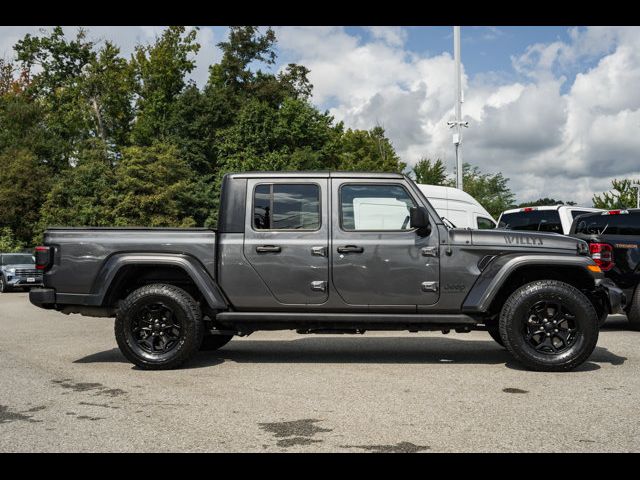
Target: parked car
289, 253
614, 243
18, 270
552, 218
457, 206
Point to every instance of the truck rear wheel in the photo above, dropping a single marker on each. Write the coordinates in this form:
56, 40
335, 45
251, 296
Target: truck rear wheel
633, 310
549, 326
159, 327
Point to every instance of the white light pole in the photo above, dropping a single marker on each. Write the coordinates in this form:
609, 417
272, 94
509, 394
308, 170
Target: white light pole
457, 136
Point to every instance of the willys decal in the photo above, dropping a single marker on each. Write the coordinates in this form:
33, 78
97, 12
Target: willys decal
522, 240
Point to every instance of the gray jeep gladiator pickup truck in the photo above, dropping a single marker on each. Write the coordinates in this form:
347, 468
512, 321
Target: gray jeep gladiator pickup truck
319, 252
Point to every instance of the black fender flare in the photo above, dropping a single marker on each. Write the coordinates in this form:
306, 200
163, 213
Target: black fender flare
492, 278
191, 266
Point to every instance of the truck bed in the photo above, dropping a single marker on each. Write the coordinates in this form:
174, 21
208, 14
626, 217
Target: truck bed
81, 253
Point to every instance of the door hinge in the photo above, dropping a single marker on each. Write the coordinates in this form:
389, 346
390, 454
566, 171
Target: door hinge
319, 251
429, 251
319, 286
429, 286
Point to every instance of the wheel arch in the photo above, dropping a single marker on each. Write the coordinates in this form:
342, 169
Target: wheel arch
123, 273
507, 273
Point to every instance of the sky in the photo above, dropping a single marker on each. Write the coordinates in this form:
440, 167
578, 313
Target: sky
554, 109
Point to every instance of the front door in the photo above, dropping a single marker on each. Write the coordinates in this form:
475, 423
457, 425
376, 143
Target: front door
287, 238
377, 258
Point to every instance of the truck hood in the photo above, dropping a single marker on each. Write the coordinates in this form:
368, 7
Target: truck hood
516, 239
21, 266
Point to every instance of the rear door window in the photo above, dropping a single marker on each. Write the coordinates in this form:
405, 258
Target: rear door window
535, 220
279, 206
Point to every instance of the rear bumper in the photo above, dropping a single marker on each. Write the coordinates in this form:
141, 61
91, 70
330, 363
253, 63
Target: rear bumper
43, 297
614, 296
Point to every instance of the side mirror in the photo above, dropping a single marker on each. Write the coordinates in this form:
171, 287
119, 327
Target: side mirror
420, 220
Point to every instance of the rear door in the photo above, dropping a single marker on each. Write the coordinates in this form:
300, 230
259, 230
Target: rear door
287, 237
377, 258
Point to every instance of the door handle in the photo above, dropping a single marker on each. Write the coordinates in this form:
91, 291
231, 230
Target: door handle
350, 249
268, 249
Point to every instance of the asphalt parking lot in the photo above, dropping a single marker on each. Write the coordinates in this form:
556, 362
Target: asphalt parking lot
64, 386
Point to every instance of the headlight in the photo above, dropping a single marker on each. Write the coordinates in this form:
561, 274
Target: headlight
12, 271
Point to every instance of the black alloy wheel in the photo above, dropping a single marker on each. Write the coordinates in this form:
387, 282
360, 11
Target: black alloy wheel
551, 327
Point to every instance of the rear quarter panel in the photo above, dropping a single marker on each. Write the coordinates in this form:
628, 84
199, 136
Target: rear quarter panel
80, 253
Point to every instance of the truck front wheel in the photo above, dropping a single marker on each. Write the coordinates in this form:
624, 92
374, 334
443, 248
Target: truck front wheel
159, 327
549, 326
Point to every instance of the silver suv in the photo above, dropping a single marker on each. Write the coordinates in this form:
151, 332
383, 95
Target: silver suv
18, 270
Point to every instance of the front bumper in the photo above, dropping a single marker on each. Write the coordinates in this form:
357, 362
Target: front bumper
614, 297
24, 281
43, 297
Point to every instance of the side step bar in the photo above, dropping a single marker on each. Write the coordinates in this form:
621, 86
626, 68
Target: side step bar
349, 318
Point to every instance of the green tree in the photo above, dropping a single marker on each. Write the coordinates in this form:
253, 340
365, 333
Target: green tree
107, 86
24, 183
492, 191
56, 86
623, 194
152, 187
244, 46
84, 195
8, 242
371, 150
160, 71
430, 173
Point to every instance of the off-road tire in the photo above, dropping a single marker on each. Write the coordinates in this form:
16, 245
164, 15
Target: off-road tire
633, 310
214, 342
515, 315
182, 305
3, 285
495, 334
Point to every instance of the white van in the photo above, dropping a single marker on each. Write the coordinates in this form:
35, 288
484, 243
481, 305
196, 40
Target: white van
548, 218
458, 207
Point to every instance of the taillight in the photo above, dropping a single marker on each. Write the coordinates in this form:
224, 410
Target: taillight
602, 254
616, 212
527, 209
43, 257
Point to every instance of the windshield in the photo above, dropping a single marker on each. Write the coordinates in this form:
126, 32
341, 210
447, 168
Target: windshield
536, 220
20, 259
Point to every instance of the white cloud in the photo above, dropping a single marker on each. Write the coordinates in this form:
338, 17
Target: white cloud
394, 36
549, 137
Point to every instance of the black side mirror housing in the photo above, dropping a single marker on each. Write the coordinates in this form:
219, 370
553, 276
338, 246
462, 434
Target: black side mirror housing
419, 219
